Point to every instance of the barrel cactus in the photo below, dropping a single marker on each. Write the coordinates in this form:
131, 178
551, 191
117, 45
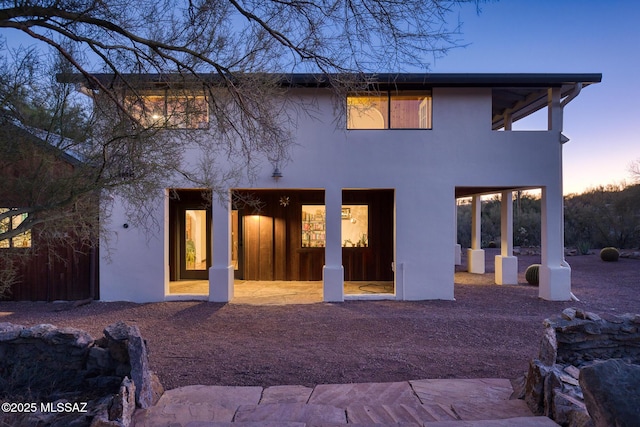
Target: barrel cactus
532, 274
609, 254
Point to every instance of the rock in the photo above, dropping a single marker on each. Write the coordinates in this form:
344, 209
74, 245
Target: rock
37, 331
611, 395
581, 340
573, 371
9, 331
68, 336
124, 404
548, 347
146, 396
534, 386
117, 332
66, 364
569, 313
99, 360
518, 384
569, 411
552, 385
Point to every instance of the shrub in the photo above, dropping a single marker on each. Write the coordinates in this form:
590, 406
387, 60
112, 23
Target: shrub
532, 274
492, 244
609, 254
584, 248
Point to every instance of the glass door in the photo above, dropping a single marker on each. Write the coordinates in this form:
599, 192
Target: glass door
195, 244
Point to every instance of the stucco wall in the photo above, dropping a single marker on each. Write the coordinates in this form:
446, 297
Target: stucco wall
423, 166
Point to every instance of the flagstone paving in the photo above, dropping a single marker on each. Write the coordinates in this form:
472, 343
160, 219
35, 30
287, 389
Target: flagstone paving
423, 403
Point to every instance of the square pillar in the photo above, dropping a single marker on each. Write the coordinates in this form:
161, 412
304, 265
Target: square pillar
221, 270
555, 272
506, 264
475, 255
457, 249
333, 272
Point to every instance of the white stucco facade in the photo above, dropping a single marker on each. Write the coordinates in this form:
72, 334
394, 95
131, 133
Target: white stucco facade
425, 168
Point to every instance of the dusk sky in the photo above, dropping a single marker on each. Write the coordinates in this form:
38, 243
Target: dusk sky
567, 36
563, 36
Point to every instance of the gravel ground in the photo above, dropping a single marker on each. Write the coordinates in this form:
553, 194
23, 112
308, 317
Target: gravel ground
489, 331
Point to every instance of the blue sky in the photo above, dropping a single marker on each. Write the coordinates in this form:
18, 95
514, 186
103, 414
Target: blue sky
567, 36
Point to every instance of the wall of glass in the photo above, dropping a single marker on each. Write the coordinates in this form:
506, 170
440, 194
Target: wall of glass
355, 226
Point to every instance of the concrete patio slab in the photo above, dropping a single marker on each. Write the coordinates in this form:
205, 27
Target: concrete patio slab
447, 391
197, 403
394, 414
421, 403
298, 412
286, 394
510, 422
343, 395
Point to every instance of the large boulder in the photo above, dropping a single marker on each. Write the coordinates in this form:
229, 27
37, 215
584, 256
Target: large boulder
611, 393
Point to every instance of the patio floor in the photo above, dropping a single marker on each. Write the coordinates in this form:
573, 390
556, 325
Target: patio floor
282, 292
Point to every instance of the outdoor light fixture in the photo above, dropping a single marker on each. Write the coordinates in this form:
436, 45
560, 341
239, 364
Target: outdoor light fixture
276, 174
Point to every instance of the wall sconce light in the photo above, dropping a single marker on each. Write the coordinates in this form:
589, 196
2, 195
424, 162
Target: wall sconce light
276, 174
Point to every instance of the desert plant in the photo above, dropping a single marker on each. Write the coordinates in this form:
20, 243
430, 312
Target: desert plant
583, 248
532, 274
609, 254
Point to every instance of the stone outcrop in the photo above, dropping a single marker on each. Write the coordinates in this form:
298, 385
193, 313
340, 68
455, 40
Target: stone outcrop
611, 392
63, 366
574, 342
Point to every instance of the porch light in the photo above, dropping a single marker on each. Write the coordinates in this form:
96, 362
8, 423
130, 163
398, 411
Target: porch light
276, 174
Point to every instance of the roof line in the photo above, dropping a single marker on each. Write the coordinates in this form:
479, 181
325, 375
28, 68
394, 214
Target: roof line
381, 79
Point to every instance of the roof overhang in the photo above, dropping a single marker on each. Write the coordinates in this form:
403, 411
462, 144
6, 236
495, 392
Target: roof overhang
515, 94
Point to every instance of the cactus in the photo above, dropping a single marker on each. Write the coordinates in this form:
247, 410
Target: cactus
532, 274
609, 254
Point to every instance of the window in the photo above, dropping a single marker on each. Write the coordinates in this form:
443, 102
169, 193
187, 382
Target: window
394, 110
11, 222
171, 110
355, 226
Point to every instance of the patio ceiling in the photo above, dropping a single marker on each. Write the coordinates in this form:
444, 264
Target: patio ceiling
482, 190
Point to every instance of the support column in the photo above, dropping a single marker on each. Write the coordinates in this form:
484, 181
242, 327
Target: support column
475, 255
554, 110
457, 249
555, 273
333, 272
221, 271
506, 264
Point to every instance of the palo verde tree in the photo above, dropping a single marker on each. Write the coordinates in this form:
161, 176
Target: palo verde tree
235, 52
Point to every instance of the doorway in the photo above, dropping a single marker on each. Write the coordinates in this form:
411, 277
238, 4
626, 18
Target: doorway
285, 239
190, 235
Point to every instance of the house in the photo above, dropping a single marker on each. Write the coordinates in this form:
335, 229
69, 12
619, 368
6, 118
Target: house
369, 196
39, 268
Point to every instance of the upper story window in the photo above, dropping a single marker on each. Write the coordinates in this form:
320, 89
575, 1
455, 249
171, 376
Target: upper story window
11, 222
391, 110
175, 111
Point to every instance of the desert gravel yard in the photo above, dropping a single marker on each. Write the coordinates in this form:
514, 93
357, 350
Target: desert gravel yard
489, 331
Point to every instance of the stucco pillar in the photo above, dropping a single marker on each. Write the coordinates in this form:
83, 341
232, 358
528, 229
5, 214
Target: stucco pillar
221, 271
333, 272
555, 273
457, 249
506, 264
475, 255
554, 110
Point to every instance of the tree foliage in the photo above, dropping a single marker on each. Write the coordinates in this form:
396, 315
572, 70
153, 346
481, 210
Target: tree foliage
604, 216
599, 217
526, 221
234, 52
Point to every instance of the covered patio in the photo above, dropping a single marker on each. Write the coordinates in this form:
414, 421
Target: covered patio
282, 292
